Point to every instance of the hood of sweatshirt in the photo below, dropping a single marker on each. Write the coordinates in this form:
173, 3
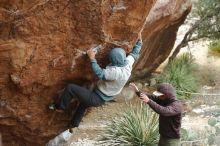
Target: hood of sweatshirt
117, 57
168, 90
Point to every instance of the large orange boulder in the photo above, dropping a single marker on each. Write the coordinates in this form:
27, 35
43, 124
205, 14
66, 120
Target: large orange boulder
40, 52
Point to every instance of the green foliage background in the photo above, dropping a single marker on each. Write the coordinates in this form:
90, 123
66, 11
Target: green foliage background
180, 72
207, 12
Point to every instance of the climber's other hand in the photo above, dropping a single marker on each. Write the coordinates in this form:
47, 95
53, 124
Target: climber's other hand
91, 53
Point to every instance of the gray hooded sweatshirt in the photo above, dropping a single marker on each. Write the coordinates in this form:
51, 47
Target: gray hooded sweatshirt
114, 76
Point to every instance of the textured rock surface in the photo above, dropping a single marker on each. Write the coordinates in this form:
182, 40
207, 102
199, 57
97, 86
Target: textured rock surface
39, 53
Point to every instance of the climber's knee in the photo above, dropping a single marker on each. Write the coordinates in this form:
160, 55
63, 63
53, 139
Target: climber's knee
71, 87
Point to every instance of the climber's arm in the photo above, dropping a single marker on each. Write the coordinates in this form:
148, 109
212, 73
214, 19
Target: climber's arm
134, 55
136, 49
103, 74
99, 72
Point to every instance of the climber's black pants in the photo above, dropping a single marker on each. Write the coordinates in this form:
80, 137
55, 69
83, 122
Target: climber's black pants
86, 97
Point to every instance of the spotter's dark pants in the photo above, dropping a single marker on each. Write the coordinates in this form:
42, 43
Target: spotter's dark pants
86, 97
168, 142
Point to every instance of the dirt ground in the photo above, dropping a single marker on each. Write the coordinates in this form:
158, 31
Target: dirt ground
93, 124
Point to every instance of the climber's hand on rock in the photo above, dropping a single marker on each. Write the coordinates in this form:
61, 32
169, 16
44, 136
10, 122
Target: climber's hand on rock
140, 38
91, 54
139, 42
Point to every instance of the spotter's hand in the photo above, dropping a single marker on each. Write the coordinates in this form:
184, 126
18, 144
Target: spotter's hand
144, 98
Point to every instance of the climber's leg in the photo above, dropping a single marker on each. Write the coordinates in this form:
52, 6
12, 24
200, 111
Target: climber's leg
94, 100
77, 117
74, 91
65, 97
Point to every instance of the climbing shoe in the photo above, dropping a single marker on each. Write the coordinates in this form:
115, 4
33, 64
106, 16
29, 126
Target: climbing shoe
71, 130
71, 126
55, 107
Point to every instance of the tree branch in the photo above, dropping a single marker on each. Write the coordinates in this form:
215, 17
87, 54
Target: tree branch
187, 37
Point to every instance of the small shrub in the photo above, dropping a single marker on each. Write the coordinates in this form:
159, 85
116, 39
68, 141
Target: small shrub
138, 126
181, 74
209, 135
214, 48
189, 136
212, 121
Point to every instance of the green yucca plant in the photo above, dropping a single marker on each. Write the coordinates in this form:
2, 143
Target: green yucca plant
181, 74
137, 126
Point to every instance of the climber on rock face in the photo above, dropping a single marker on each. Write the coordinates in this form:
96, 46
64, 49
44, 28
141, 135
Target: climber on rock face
111, 81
